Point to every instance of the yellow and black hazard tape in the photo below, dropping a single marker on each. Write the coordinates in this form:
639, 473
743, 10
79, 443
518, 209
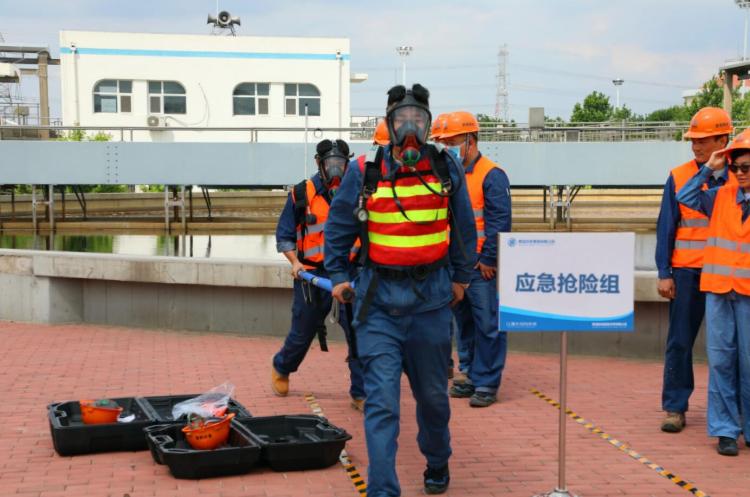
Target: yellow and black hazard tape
624, 447
351, 470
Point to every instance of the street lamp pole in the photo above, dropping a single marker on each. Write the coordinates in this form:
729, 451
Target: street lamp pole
404, 51
745, 5
618, 83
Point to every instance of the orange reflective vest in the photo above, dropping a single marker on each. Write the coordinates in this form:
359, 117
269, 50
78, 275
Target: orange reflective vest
475, 183
310, 238
420, 237
726, 260
692, 231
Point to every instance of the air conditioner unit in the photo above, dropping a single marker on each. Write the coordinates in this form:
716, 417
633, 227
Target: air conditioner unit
155, 122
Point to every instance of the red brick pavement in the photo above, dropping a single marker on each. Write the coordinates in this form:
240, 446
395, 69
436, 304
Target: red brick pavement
508, 449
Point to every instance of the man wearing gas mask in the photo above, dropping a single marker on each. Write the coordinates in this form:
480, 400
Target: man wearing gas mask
299, 236
400, 200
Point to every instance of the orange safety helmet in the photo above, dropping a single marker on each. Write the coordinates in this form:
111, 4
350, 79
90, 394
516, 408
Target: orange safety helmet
740, 142
709, 121
459, 123
437, 127
381, 136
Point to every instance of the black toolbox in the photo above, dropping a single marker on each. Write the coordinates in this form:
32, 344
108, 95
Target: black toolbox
71, 436
160, 408
169, 446
296, 442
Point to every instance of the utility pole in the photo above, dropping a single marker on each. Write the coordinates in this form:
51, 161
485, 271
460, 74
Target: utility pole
744, 5
501, 97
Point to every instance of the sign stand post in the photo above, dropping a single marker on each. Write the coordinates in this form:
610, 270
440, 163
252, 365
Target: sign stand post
562, 490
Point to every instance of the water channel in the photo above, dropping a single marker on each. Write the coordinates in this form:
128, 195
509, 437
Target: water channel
256, 246
215, 246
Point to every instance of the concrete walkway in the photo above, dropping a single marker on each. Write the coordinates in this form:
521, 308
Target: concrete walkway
509, 449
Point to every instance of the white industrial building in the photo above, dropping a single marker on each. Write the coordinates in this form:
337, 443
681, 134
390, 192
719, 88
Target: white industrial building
168, 81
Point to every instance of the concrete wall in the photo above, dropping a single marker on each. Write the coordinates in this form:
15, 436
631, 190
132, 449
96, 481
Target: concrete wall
245, 296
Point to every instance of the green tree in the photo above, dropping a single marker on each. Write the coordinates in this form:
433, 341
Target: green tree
711, 94
624, 113
487, 119
674, 113
553, 120
741, 108
152, 188
595, 108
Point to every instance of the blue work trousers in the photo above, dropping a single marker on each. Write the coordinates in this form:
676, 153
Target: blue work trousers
685, 316
307, 318
728, 348
482, 349
419, 345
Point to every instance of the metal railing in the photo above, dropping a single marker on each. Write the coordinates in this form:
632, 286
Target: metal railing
488, 132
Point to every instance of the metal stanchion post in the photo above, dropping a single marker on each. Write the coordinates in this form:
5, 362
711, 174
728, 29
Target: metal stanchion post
33, 208
306, 139
51, 207
166, 208
182, 209
561, 490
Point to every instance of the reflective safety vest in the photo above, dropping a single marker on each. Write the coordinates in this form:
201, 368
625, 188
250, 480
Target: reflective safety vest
690, 239
726, 259
310, 239
420, 237
475, 183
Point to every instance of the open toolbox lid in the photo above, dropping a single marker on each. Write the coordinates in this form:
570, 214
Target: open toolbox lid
296, 442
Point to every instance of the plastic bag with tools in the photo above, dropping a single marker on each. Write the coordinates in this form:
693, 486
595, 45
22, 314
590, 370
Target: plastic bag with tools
212, 404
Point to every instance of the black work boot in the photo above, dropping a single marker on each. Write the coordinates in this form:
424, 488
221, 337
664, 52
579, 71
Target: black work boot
436, 480
727, 446
482, 399
461, 390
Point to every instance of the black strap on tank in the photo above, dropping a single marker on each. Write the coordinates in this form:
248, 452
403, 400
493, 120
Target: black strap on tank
370, 179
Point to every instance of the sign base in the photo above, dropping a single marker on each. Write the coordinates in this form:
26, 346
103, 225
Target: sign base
557, 493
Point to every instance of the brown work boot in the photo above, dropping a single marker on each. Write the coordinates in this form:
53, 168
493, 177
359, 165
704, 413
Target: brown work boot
459, 378
279, 382
674, 422
358, 404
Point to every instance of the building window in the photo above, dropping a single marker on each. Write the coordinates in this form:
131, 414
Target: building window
297, 96
166, 97
112, 95
250, 99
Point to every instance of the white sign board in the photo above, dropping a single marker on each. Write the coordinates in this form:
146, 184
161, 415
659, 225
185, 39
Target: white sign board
566, 281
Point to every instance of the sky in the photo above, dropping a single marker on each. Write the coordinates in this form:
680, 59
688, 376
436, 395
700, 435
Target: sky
559, 50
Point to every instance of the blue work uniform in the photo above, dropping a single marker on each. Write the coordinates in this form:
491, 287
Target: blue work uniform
727, 333
308, 315
482, 349
406, 329
686, 310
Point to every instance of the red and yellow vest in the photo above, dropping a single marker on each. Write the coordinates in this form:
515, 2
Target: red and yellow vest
475, 183
692, 232
726, 258
422, 236
310, 241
